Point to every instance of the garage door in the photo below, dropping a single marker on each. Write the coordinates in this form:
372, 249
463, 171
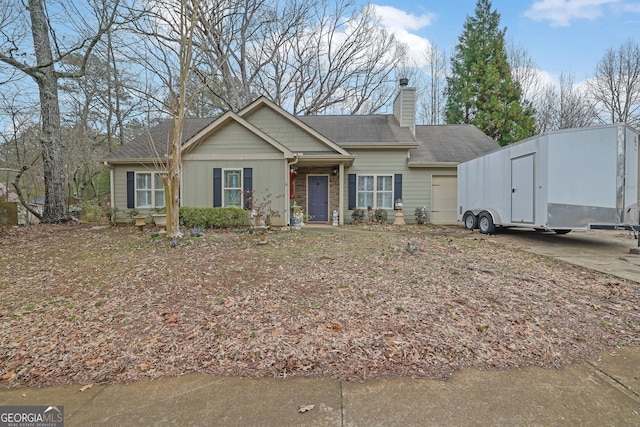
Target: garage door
444, 199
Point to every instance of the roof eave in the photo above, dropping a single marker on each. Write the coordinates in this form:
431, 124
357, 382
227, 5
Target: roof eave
433, 164
383, 146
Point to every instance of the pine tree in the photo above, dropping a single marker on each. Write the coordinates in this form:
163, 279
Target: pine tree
480, 88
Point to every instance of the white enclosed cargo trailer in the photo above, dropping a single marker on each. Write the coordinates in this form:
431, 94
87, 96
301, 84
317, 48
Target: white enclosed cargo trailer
569, 179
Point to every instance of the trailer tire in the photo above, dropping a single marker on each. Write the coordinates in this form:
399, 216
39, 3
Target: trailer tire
561, 231
470, 221
485, 224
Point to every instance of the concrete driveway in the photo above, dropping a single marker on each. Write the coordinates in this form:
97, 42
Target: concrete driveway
604, 251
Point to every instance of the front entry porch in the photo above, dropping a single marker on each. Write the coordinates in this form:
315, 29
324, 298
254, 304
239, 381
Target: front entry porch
317, 190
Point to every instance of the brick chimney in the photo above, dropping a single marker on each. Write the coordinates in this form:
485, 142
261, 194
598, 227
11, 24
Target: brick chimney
404, 106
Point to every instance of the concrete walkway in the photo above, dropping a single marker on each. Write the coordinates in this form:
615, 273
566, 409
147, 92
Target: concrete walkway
604, 391
605, 251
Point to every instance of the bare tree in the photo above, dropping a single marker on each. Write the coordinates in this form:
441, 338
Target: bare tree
434, 102
171, 26
615, 86
308, 56
47, 53
524, 72
563, 107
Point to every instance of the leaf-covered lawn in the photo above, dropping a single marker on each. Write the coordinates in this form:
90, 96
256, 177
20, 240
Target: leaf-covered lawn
85, 305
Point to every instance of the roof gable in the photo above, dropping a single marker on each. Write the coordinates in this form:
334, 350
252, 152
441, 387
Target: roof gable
226, 119
296, 132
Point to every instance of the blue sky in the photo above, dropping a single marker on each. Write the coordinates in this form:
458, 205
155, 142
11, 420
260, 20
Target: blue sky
559, 35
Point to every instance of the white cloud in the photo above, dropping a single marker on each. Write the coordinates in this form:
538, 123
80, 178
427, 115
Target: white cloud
402, 25
562, 12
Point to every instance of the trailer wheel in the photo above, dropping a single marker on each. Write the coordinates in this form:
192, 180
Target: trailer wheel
485, 224
470, 221
561, 231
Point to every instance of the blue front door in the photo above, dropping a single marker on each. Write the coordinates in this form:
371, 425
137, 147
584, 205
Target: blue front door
318, 198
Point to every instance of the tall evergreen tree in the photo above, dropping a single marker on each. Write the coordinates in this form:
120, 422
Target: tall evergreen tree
480, 88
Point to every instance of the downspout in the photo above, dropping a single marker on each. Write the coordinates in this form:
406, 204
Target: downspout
112, 186
341, 192
287, 217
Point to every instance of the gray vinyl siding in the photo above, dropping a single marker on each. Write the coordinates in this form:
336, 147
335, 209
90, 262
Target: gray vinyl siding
416, 182
120, 187
285, 132
233, 139
268, 178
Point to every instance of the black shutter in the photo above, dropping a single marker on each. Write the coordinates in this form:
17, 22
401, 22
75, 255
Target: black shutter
397, 187
217, 187
131, 190
248, 187
352, 191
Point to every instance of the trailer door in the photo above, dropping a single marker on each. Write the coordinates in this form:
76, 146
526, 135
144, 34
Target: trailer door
522, 193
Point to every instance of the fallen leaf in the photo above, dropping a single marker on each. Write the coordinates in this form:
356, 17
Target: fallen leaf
144, 367
8, 374
305, 408
86, 387
172, 319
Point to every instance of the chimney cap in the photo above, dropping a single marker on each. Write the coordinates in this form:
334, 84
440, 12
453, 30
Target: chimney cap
404, 82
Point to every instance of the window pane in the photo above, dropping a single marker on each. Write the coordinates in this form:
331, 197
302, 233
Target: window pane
159, 198
384, 200
157, 182
365, 183
384, 183
232, 179
232, 198
144, 198
365, 199
143, 181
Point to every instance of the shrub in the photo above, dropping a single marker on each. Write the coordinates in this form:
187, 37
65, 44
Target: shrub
421, 215
357, 215
90, 211
213, 217
381, 215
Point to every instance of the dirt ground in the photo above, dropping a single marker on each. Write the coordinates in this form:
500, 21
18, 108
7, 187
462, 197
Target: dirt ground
85, 304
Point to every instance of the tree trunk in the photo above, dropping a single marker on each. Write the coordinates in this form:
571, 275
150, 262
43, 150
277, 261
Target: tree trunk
55, 208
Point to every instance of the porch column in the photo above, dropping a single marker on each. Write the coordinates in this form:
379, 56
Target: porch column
341, 187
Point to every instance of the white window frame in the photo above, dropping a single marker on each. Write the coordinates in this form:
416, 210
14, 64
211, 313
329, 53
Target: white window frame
154, 189
225, 188
375, 190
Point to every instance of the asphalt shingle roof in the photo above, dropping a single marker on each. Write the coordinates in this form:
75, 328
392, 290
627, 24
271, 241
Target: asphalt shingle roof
437, 144
450, 143
141, 148
356, 130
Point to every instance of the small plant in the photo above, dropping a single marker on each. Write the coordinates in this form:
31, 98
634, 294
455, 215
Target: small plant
357, 216
414, 281
112, 215
368, 295
399, 309
173, 242
261, 209
381, 216
482, 327
196, 232
421, 215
